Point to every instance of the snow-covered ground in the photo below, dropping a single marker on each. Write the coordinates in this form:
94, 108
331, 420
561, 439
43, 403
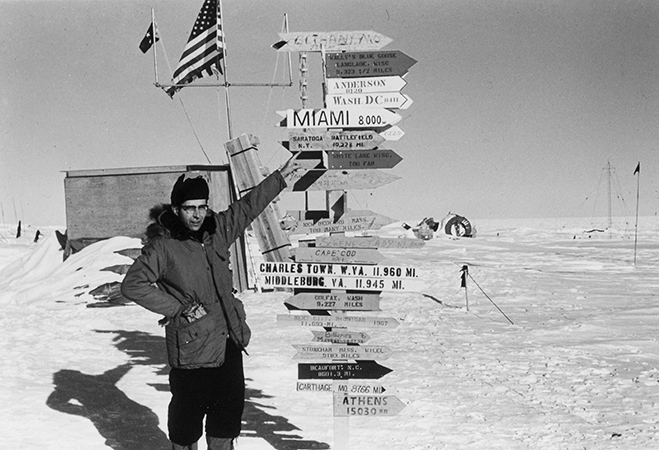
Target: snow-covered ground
577, 369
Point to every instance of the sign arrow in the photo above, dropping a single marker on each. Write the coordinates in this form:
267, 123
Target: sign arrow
339, 388
336, 321
344, 270
364, 64
394, 100
338, 255
293, 226
392, 133
367, 242
339, 282
366, 405
311, 41
335, 301
366, 85
338, 118
363, 370
328, 180
380, 221
341, 336
335, 351
371, 159
333, 140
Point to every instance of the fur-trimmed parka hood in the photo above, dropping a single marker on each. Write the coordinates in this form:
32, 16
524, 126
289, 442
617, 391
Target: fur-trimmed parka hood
167, 224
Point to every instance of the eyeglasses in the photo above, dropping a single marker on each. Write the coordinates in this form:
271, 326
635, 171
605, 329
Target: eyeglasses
190, 209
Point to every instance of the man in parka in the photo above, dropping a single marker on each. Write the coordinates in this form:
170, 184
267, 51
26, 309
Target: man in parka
183, 273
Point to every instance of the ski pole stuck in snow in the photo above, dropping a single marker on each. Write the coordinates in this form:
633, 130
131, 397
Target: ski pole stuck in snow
463, 283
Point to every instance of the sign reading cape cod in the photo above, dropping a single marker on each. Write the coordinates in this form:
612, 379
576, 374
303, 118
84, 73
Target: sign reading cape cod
337, 277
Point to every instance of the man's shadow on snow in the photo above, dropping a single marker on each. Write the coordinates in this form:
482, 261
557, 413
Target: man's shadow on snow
128, 425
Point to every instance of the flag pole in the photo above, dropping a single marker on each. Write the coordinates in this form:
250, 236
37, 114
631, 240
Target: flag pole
222, 59
155, 34
638, 190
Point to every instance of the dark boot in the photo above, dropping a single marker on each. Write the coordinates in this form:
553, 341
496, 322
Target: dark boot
184, 447
219, 443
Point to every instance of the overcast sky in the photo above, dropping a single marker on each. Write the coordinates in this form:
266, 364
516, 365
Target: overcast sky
518, 105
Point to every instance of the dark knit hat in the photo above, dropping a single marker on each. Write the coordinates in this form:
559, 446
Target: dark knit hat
190, 189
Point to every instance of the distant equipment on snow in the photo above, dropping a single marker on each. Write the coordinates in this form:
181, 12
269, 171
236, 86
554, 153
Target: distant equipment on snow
452, 225
459, 226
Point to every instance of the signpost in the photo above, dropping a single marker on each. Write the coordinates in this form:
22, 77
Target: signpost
335, 301
336, 351
336, 321
311, 41
383, 100
374, 159
363, 64
362, 370
339, 145
338, 118
333, 140
367, 85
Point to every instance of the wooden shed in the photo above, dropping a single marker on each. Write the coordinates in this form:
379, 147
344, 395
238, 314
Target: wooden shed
104, 203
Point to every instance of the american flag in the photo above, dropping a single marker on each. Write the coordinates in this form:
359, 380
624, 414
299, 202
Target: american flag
204, 49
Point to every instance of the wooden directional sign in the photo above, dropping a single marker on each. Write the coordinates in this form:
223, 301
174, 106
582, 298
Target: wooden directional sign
311, 41
365, 64
367, 242
340, 336
335, 301
336, 321
338, 118
362, 370
338, 255
338, 282
343, 270
314, 387
310, 214
361, 388
333, 140
332, 180
358, 388
393, 100
373, 159
366, 85
366, 405
292, 226
380, 221
392, 133
336, 351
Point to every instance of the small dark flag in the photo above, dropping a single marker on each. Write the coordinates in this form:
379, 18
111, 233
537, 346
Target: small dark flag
638, 169
463, 278
147, 40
